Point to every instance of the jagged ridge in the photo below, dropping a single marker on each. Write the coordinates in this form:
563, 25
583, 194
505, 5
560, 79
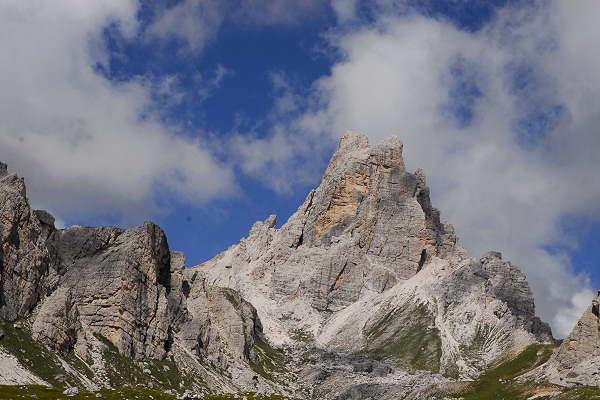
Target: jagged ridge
364, 270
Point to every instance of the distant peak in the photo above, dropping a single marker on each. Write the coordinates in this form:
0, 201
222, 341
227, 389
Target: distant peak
352, 141
491, 255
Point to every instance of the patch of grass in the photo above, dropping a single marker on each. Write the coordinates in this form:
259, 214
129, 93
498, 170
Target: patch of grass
163, 374
476, 351
45, 393
232, 296
130, 392
249, 396
407, 337
271, 362
580, 393
300, 335
78, 365
108, 247
33, 355
121, 370
498, 383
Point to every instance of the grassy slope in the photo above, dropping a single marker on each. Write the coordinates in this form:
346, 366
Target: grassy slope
498, 383
131, 393
33, 355
501, 382
406, 337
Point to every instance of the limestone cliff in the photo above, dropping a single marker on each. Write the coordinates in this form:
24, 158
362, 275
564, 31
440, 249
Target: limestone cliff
363, 290
366, 266
577, 360
82, 287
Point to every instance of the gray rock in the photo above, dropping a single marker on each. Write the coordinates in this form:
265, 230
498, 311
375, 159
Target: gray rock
26, 251
366, 264
117, 281
577, 361
365, 267
3, 169
177, 261
72, 391
45, 217
218, 318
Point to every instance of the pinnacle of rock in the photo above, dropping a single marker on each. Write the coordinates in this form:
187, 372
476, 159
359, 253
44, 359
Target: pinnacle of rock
3, 169
577, 361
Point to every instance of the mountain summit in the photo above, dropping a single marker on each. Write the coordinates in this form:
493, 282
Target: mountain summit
363, 292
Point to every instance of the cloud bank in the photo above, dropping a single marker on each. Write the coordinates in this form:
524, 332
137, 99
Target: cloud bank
88, 146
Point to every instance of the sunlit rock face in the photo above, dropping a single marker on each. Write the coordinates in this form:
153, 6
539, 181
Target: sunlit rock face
364, 280
82, 287
26, 253
577, 361
367, 265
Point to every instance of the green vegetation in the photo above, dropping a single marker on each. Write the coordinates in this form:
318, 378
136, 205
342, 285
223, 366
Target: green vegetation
300, 335
162, 374
44, 393
131, 393
407, 337
78, 365
33, 355
499, 382
270, 363
475, 351
232, 296
583, 393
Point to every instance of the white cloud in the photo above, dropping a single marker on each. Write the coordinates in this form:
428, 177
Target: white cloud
461, 102
197, 22
345, 10
194, 21
208, 86
87, 145
278, 159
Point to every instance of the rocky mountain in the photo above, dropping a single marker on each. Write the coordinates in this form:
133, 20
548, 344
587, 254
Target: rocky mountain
577, 360
363, 293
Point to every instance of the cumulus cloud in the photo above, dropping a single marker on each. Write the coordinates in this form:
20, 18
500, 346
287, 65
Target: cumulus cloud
503, 121
279, 158
86, 145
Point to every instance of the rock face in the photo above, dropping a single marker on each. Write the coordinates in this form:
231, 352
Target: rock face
25, 254
577, 361
114, 283
368, 225
84, 285
364, 279
366, 266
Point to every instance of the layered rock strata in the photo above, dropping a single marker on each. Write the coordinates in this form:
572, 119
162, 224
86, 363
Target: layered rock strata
82, 285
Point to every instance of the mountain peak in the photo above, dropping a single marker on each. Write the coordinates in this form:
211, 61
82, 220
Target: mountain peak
577, 361
352, 141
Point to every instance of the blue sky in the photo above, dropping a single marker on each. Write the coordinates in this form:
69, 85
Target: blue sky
205, 116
